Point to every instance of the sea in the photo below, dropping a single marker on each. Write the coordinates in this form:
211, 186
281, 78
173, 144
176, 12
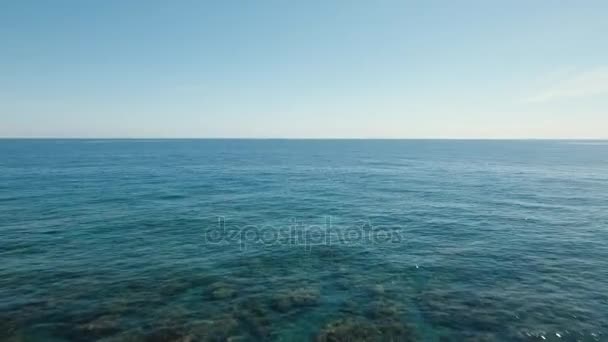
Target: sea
303, 240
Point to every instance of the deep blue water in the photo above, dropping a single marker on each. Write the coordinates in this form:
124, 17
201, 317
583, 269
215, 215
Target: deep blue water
184, 240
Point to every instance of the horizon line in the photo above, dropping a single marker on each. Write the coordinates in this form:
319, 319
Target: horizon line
298, 138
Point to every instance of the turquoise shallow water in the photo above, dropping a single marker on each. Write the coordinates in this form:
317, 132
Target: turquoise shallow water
288, 240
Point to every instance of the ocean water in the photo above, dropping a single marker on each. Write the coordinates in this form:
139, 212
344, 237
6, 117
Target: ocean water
298, 240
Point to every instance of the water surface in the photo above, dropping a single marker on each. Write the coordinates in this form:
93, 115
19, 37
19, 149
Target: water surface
427, 240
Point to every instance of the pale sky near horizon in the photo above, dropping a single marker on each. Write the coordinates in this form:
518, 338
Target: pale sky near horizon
304, 69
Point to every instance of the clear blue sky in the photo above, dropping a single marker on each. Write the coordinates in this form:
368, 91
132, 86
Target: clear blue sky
383, 69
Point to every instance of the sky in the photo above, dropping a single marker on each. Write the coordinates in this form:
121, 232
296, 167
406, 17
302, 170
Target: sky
304, 69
